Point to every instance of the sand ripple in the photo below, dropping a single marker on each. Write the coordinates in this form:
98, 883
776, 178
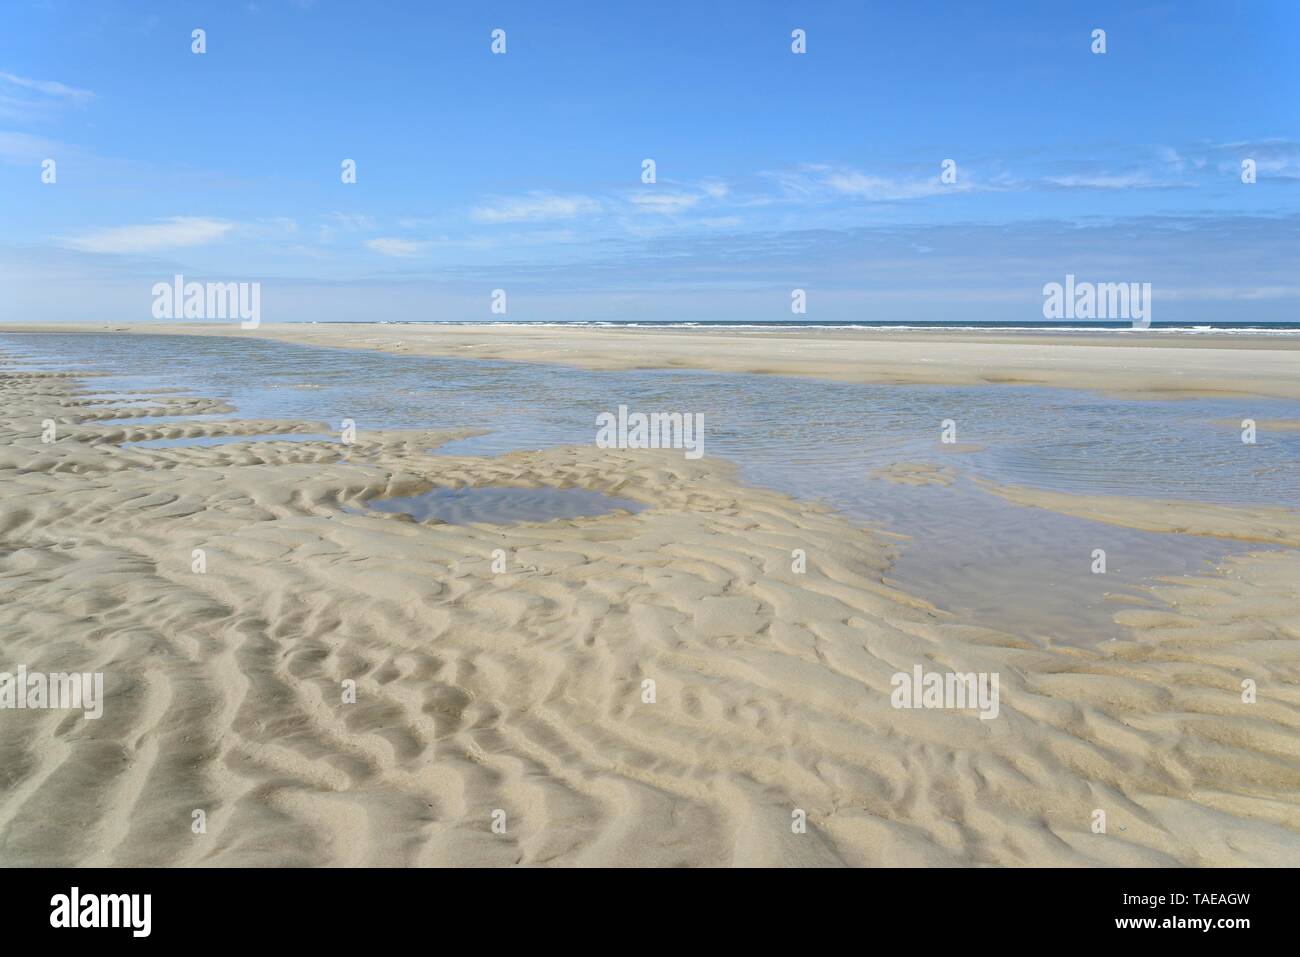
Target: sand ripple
522, 691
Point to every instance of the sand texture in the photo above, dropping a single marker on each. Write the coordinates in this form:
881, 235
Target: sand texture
523, 691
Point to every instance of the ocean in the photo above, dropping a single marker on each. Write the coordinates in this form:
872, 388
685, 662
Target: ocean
1036, 326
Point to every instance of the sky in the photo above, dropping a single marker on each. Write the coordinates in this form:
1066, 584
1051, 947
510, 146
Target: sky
774, 170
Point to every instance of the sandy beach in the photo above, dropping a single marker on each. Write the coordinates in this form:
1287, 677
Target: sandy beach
1137, 364
658, 688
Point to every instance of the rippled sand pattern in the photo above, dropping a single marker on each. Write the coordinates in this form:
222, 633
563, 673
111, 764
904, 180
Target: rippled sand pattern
523, 691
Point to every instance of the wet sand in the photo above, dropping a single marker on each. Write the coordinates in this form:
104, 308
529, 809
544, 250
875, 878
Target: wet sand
1135, 365
519, 696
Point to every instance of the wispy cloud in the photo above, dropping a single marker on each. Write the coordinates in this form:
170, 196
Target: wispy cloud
174, 233
1133, 180
24, 98
535, 207
820, 181
399, 248
666, 203
867, 186
50, 88
817, 182
352, 222
336, 222
1277, 159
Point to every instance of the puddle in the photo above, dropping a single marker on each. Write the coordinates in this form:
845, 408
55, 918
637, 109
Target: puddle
501, 505
204, 440
992, 561
484, 446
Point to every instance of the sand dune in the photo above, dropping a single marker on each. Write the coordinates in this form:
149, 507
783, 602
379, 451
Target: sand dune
523, 691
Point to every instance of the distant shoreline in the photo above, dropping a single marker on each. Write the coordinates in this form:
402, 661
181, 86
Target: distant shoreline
1049, 328
1150, 365
1090, 330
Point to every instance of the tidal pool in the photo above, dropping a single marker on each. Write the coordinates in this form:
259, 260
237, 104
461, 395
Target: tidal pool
502, 505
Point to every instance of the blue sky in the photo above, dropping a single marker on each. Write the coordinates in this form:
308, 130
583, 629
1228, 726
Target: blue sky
775, 171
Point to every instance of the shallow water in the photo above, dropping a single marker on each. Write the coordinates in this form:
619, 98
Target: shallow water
168, 419
968, 551
205, 440
503, 505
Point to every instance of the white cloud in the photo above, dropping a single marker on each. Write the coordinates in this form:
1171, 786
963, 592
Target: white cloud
817, 182
401, 248
534, 207
1103, 181
883, 188
50, 88
151, 237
